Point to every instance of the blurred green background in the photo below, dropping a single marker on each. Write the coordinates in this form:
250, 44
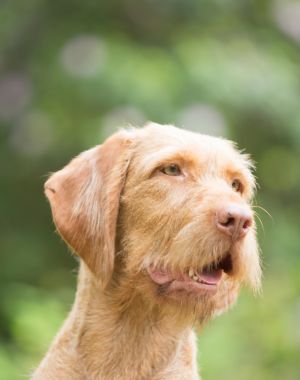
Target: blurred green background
74, 71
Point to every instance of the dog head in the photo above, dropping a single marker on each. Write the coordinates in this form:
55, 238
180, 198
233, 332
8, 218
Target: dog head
165, 210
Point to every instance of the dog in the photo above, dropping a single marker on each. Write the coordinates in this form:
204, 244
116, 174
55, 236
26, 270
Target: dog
161, 220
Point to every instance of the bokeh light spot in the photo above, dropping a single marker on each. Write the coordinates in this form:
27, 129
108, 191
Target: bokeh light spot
287, 17
121, 117
15, 94
203, 118
33, 135
83, 56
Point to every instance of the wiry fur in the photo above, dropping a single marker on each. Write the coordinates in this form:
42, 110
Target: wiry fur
121, 215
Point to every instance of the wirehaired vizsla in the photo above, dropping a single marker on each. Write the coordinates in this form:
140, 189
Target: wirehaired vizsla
161, 220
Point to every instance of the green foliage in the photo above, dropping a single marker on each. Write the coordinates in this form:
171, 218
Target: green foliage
72, 72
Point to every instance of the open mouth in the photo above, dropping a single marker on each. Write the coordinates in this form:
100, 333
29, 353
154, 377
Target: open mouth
193, 281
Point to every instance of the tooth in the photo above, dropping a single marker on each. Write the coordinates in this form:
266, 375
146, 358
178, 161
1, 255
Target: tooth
191, 272
195, 277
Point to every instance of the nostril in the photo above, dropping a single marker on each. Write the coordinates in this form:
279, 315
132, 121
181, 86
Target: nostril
247, 224
229, 222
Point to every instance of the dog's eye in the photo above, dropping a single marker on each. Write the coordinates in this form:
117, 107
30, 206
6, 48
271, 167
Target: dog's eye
172, 169
237, 185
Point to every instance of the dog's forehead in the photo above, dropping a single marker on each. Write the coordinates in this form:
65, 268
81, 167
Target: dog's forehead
162, 141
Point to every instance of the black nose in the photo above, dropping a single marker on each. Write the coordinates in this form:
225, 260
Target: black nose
234, 220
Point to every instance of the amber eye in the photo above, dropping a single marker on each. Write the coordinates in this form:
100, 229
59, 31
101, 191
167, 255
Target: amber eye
237, 185
171, 169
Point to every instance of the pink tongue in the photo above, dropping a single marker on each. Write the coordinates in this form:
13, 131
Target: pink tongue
211, 277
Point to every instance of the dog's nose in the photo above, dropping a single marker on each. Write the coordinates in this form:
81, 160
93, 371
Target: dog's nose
234, 221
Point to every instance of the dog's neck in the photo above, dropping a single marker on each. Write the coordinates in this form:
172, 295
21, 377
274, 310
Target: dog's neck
110, 329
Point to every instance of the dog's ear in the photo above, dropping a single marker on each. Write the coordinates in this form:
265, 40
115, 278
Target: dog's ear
84, 198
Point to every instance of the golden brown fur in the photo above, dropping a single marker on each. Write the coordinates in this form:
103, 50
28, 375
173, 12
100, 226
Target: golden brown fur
118, 210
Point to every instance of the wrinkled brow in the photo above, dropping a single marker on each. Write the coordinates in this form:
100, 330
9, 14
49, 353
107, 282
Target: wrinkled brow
153, 160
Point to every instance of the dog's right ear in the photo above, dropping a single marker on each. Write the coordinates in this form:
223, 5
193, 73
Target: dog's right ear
84, 198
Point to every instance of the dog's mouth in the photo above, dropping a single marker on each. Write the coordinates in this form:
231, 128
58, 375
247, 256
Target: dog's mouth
192, 281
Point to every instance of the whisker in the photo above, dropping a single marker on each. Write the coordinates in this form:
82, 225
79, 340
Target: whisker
261, 223
263, 209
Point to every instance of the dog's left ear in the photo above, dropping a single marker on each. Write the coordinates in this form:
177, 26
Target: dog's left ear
84, 198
